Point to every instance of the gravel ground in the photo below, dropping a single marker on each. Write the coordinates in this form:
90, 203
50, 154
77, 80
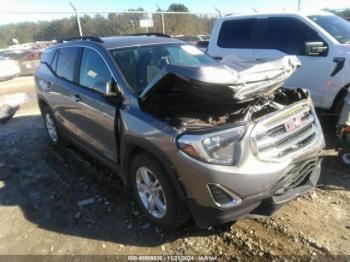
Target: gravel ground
40, 213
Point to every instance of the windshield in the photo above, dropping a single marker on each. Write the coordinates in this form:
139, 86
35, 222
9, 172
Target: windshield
140, 64
338, 27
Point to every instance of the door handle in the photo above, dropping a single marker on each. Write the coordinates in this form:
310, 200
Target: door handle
48, 85
217, 57
77, 98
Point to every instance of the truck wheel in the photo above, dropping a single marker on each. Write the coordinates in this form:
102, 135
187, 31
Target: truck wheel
344, 157
51, 127
155, 194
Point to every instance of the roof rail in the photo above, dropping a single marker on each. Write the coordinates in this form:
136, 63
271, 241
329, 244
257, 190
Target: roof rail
151, 34
89, 38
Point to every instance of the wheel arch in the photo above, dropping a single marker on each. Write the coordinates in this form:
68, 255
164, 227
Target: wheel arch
42, 103
132, 147
340, 95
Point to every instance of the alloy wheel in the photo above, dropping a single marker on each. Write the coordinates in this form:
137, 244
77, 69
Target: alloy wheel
51, 128
151, 192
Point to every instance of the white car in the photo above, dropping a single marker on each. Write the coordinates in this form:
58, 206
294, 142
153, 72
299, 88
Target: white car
320, 40
8, 69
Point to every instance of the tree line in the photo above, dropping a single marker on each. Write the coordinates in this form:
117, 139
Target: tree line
106, 25
113, 24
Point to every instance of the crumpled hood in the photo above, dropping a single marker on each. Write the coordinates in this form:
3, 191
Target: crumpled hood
231, 80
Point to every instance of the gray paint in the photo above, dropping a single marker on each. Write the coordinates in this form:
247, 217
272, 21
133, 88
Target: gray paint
91, 123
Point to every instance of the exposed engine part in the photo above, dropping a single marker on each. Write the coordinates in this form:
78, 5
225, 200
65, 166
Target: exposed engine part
195, 98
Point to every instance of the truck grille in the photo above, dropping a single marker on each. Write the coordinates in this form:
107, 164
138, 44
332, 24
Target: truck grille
284, 133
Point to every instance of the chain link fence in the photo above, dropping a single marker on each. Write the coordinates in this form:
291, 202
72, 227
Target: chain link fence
43, 28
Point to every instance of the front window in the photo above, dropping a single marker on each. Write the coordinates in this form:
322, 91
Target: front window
338, 27
287, 35
94, 72
140, 64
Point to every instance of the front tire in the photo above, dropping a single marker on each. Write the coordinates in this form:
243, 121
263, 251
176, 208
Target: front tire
155, 193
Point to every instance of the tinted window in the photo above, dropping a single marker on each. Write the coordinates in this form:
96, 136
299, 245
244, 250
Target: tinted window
47, 56
288, 35
54, 60
140, 64
66, 61
338, 27
236, 34
94, 72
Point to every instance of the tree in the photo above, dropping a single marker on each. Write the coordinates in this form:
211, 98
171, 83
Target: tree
177, 8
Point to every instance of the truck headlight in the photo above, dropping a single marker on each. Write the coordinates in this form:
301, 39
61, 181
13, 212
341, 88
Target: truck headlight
214, 148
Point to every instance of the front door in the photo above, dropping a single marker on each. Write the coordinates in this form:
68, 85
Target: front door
95, 116
287, 36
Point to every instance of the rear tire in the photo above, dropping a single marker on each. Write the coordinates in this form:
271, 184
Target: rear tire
51, 127
166, 211
344, 157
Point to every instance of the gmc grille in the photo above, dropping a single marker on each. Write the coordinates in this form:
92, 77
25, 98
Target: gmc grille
284, 133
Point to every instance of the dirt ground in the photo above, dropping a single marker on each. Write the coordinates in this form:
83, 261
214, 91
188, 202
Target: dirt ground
39, 213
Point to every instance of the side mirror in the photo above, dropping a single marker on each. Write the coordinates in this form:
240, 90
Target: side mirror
111, 90
108, 89
315, 48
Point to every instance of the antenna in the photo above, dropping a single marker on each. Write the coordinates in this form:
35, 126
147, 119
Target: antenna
299, 4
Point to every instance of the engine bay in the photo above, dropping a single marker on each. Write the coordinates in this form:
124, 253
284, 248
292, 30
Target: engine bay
187, 112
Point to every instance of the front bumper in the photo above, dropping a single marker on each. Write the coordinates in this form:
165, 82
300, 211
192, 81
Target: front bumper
263, 187
263, 204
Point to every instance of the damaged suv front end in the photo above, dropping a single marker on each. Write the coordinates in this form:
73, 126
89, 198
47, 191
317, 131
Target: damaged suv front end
238, 143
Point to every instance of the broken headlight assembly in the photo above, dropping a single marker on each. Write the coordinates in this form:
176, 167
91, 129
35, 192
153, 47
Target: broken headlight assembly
214, 148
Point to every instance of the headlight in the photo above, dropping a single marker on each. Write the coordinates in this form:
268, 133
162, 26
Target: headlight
214, 148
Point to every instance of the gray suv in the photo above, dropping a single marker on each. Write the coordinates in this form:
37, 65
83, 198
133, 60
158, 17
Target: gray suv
179, 128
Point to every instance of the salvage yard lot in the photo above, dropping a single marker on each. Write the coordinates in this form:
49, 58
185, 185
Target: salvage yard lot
40, 189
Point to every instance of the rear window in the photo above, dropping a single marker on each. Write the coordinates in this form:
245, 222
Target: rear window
236, 34
66, 61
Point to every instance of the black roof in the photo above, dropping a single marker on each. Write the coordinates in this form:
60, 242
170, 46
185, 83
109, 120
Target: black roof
124, 41
112, 42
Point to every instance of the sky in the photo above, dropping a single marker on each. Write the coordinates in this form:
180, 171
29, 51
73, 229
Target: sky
25, 8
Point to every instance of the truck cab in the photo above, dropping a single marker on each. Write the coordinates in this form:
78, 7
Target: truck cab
320, 40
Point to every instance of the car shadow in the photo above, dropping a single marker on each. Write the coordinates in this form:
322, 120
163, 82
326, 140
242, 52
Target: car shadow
48, 183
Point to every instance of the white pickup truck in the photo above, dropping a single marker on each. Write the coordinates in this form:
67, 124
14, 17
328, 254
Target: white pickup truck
320, 40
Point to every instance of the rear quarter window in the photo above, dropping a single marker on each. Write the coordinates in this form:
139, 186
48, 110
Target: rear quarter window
47, 56
236, 33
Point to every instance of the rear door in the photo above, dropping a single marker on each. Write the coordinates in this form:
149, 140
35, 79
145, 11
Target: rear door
279, 36
234, 38
61, 91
